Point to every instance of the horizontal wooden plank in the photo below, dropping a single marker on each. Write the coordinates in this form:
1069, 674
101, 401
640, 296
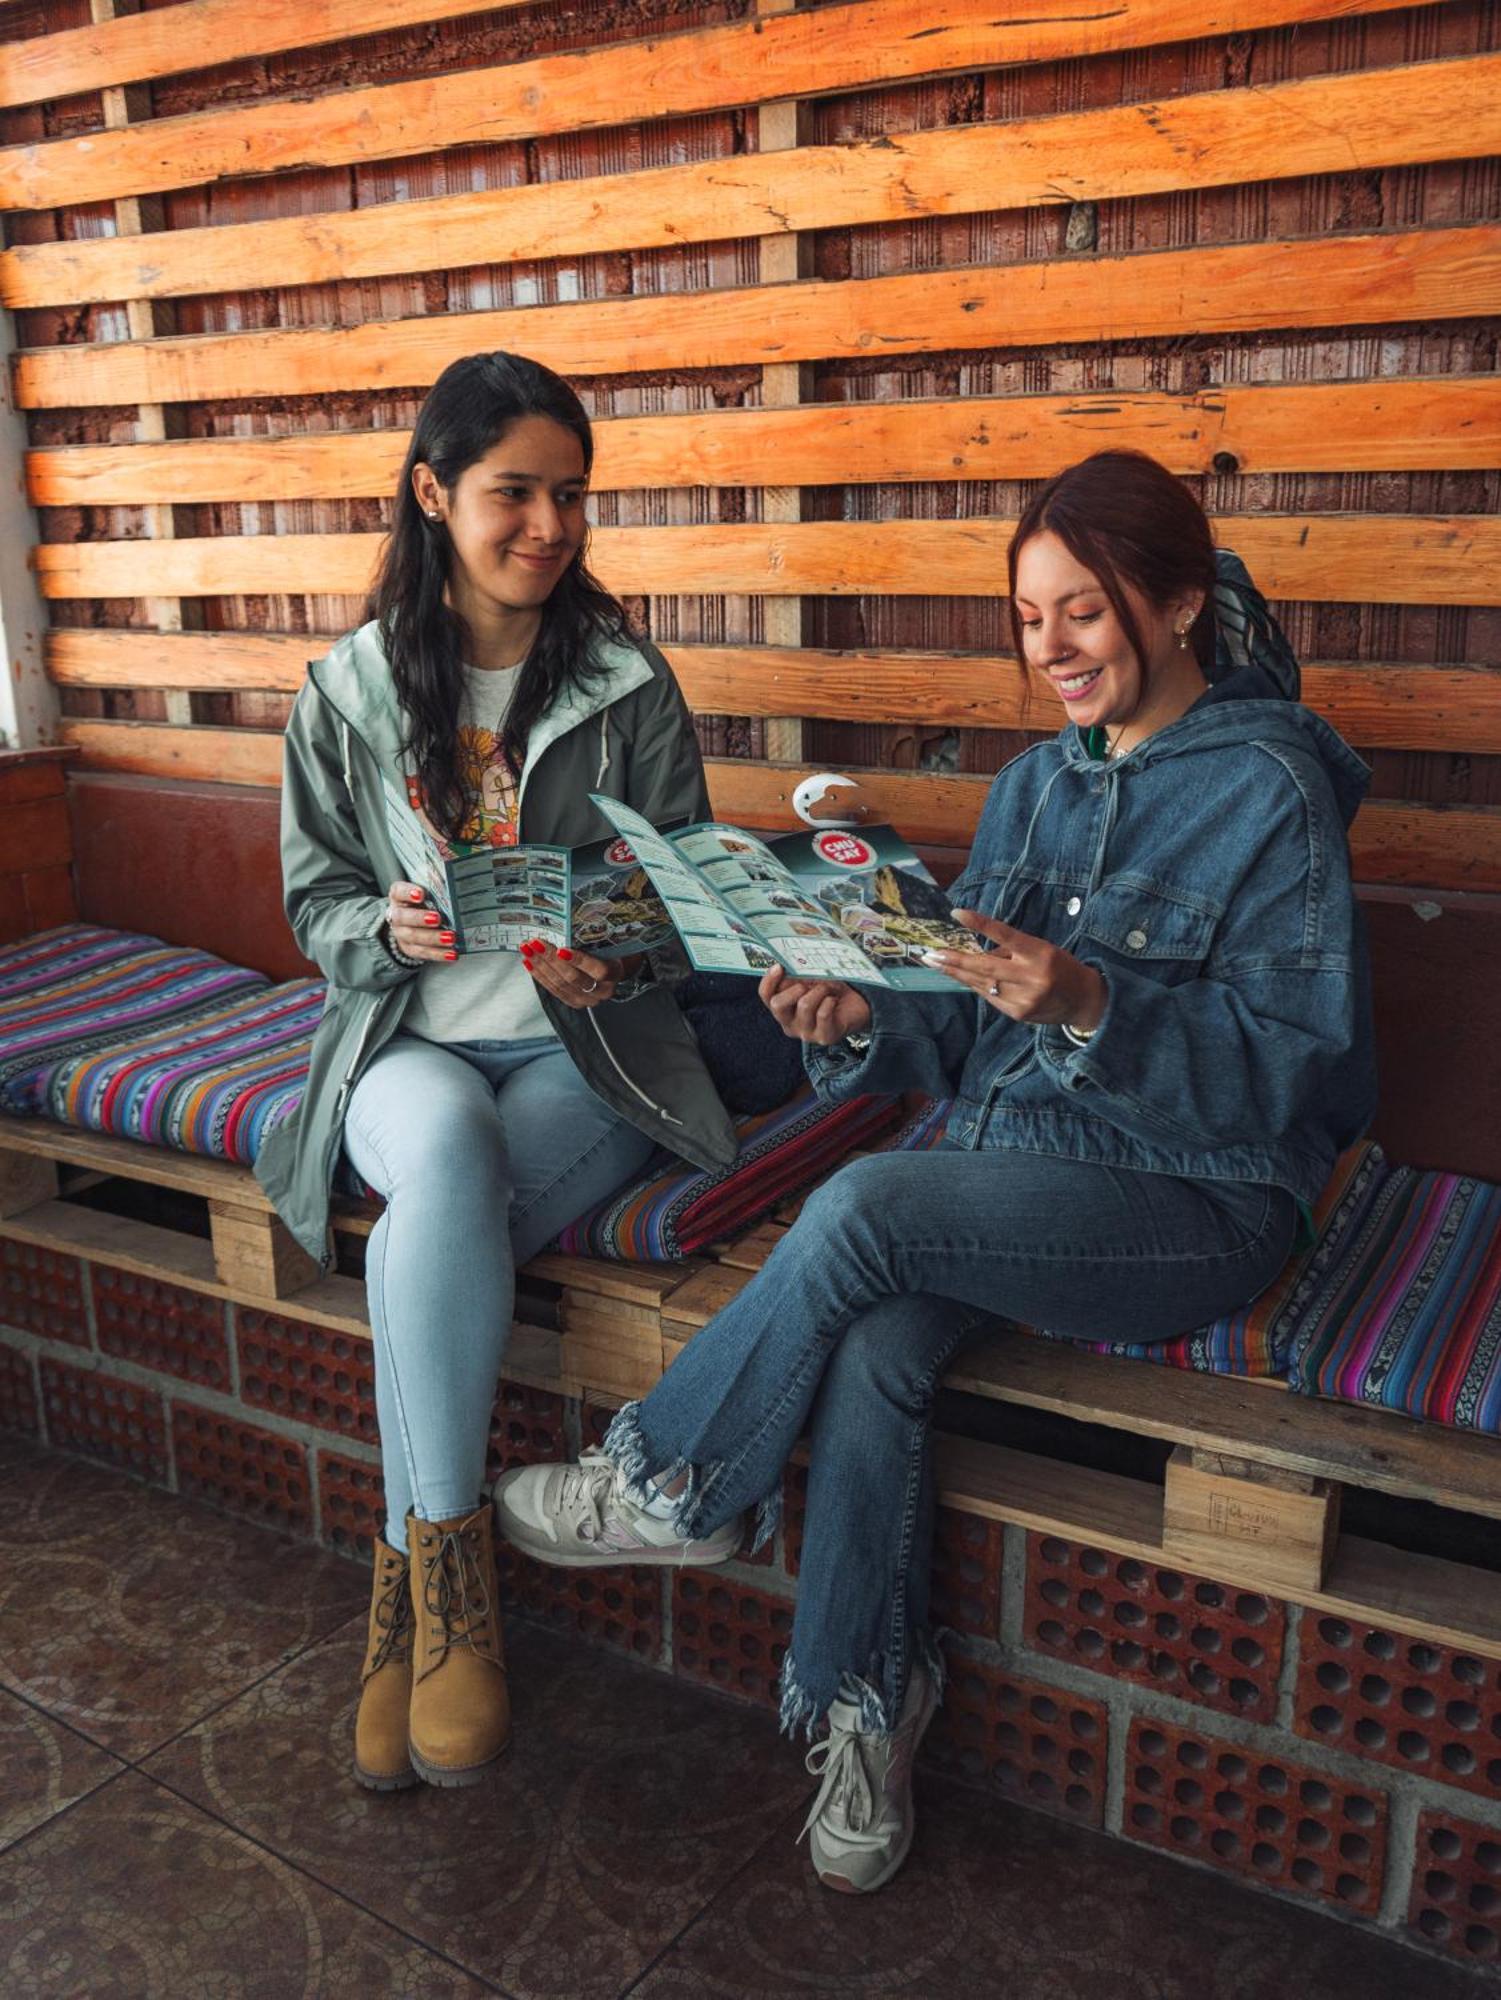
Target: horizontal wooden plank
792, 55
1376, 706
1361, 120
1416, 845
1447, 423
1338, 281
1433, 847
134, 48
1446, 1603
1323, 558
1365, 1448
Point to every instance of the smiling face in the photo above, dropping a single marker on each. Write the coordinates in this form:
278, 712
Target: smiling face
1072, 634
515, 518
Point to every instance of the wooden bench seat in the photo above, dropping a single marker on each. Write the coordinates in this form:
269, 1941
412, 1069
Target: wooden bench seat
1251, 1489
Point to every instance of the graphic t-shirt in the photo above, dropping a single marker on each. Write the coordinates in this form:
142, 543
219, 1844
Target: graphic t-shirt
490, 997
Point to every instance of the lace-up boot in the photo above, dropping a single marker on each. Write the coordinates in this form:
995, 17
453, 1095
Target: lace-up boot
581, 1517
460, 1716
381, 1762
862, 1822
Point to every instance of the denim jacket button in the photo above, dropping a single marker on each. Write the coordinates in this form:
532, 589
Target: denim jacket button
1074, 905
1136, 940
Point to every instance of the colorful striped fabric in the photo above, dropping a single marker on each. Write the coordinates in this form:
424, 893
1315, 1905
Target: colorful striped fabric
673, 1211
216, 1083
79, 988
1405, 1311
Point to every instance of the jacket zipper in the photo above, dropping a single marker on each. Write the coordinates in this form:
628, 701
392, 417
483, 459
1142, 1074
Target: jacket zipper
629, 1081
359, 1050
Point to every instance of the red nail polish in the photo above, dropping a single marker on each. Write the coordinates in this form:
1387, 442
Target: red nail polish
414, 895
431, 917
564, 952
450, 954
447, 937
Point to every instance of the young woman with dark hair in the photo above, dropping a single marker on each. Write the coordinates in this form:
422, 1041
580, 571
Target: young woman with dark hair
491, 1098
1161, 1041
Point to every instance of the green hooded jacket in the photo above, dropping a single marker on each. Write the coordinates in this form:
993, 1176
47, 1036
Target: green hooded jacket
628, 734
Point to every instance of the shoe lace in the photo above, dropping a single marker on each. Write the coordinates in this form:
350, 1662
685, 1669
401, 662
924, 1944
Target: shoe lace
847, 1797
454, 1592
393, 1619
582, 1495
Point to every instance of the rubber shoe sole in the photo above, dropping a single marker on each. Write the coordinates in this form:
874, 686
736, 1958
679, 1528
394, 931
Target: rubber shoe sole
403, 1781
453, 1780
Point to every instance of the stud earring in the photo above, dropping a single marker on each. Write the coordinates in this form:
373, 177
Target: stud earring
433, 514
1182, 638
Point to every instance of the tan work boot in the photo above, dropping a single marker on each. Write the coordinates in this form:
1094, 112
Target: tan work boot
381, 1762
460, 1716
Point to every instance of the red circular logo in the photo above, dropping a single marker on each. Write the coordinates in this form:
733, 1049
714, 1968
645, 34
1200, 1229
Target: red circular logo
620, 854
845, 850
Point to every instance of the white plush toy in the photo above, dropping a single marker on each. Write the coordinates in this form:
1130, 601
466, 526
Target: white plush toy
829, 799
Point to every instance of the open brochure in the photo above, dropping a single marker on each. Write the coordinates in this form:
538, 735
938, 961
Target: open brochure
831, 904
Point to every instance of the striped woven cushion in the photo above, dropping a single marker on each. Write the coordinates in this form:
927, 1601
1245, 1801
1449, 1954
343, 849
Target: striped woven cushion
67, 991
671, 1211
1404, 1310
1257, 1340
122, 1034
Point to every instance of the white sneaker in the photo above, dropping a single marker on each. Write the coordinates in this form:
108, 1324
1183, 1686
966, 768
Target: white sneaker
862, 1820
581, 1517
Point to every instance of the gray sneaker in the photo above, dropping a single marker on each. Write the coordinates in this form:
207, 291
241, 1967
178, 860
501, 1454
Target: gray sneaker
862, 1821
581, 1517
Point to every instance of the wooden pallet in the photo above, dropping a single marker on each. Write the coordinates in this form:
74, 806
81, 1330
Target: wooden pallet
1252, 1488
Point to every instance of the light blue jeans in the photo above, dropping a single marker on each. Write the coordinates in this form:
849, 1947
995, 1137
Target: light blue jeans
893, 1264
483, 1151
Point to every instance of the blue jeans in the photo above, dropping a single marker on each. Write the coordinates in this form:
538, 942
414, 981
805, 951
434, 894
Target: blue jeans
893, 1265
484, 1151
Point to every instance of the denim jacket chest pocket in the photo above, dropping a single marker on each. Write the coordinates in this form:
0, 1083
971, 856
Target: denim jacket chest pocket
1168, 937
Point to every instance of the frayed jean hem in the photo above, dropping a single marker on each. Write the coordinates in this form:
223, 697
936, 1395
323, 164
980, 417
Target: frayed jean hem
877, 1698
694, 1517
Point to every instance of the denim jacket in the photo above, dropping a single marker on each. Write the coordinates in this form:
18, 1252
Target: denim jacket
1206, 876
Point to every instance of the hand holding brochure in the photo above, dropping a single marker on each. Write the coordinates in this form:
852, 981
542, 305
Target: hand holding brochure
854, 906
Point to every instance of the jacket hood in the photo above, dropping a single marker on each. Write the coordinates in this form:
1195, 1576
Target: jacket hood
354, 677
1247, 707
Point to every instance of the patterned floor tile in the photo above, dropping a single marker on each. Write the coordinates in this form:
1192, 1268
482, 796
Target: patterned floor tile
129, 1613
624, 1804
136, 1896
997, 1903
46, 1767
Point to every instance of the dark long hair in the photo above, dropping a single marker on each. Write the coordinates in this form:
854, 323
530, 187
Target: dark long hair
470, 407
1127, 519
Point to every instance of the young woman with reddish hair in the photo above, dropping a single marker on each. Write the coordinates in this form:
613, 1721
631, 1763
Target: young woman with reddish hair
1156, 1049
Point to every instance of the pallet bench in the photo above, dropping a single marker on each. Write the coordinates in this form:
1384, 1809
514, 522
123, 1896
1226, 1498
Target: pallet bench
1251, 1493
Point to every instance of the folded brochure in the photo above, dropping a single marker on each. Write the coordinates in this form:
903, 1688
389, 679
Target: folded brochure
857, 906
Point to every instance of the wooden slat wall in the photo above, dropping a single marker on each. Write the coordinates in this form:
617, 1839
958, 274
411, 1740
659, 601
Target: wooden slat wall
1261, 238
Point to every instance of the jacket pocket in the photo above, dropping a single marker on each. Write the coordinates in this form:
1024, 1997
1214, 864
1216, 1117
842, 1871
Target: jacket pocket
1167, 936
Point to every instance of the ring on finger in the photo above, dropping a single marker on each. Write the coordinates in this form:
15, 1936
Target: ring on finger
994, 989
591, 986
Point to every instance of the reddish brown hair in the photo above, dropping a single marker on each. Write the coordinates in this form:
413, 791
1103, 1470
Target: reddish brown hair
1128, 520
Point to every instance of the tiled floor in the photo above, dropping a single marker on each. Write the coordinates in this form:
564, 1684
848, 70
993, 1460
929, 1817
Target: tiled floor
176, 1691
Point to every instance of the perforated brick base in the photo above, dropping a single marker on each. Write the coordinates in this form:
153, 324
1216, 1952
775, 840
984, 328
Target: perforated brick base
1401, 1701
105, 1418
18, 1403
311, 1373
526, 1428
1456, 1888
1031, 1742
621, 1608
351, 1502
1163, 1628
42, 1292
966, 1586
161, 1326
1281, 1823
729, 1635
241, 1467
